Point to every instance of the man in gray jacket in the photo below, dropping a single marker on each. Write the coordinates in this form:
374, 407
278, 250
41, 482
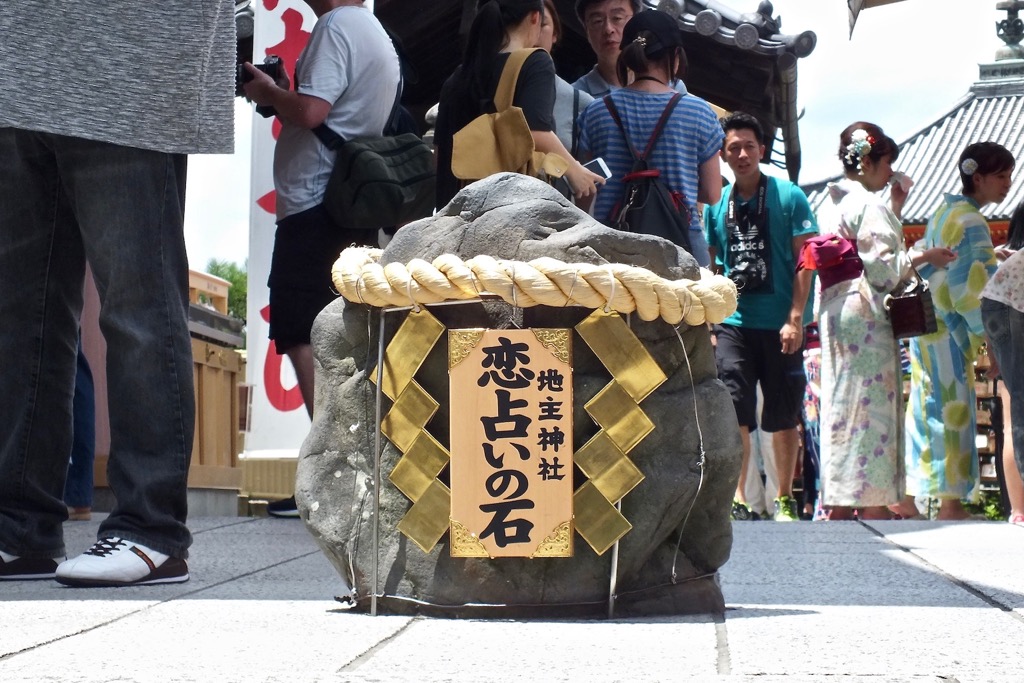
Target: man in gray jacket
99, 105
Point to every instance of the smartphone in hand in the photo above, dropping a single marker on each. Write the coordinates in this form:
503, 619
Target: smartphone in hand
599, 167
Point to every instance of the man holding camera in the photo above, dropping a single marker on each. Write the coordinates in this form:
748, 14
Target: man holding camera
755, 234
347, 79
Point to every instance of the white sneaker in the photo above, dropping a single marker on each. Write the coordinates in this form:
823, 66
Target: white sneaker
116, 562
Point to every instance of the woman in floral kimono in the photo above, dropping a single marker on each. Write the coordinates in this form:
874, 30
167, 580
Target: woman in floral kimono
861, 397
941, 453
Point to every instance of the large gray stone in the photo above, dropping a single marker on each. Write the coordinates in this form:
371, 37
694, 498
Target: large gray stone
683, 503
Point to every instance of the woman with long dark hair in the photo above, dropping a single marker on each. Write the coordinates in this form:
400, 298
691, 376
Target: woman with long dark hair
499, 28
861, 455
941, 424
1015, 231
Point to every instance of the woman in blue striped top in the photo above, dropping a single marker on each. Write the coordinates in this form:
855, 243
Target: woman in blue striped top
687, 153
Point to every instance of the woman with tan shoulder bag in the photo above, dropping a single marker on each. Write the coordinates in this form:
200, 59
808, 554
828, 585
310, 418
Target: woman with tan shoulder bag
503, 35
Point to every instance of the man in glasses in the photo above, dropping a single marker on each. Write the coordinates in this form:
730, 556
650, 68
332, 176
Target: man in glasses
603, 21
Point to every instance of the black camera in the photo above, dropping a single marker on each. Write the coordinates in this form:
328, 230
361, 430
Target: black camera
273, 67
749, 273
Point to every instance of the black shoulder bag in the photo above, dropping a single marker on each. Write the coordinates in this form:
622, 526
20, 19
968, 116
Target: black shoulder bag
380, 182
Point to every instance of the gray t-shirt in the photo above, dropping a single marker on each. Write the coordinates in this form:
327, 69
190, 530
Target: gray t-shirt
569, 103
350, 61
152, 75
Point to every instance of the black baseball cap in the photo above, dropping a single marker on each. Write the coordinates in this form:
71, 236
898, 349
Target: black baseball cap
664, 28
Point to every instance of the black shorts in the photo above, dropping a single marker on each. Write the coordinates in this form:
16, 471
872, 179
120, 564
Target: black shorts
747, 358
306, 245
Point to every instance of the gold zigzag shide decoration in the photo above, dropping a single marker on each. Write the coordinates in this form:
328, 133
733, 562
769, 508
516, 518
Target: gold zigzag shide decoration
605, 457
423, 458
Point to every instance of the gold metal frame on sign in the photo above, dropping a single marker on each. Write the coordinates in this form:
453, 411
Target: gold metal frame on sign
558, 543
465, 541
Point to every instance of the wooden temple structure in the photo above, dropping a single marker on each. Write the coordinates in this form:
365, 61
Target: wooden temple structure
739, 57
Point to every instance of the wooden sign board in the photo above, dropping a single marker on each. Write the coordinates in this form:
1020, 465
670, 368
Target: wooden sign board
511, 443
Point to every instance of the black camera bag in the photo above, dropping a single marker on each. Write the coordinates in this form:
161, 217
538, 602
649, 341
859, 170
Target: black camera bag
381, 182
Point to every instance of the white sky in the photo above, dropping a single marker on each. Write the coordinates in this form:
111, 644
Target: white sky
907, 64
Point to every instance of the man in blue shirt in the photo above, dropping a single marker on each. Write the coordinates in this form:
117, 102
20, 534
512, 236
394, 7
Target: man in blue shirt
755, 234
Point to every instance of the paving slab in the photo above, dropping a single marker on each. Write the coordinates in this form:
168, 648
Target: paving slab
893, 600
652, 649
837, 602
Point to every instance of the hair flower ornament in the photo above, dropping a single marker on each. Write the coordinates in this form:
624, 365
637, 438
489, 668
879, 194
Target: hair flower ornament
859, 147
968, 166
641, 41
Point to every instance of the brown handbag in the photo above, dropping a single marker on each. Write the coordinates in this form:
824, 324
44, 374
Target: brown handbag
910, 308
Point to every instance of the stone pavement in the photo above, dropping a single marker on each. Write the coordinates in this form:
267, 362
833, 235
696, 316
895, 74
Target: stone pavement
837, 602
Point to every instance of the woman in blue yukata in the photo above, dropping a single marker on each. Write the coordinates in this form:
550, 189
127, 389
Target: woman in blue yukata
941, 452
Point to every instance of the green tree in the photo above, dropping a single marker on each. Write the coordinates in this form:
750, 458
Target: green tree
238, 277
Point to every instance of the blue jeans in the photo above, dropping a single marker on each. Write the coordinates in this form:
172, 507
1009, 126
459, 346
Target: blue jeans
1005, 329
64, 200
79, 485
